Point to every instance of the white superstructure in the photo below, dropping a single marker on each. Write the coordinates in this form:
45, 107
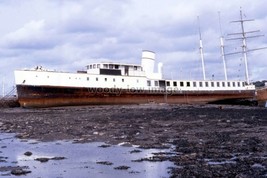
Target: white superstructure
123, 76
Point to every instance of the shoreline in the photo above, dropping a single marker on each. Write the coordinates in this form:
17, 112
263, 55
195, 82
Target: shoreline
215, 140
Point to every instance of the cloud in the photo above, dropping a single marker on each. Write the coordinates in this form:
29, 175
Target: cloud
32, 36
69, 34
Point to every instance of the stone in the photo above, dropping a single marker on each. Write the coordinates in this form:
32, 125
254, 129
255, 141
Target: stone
20, 171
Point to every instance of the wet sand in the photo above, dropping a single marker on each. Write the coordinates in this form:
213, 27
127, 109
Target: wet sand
208, 140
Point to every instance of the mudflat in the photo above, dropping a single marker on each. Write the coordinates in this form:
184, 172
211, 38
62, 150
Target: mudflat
208, 140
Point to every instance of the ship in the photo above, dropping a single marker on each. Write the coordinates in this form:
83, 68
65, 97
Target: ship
122, 83
119, 83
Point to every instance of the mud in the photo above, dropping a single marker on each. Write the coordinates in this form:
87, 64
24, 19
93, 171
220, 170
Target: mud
208, 140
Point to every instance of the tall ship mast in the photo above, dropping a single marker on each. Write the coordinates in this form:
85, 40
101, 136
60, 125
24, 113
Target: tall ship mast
244, 35
201, 50
222, 49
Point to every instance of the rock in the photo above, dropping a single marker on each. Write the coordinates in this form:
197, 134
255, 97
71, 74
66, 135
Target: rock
28, 153
135, 151
42, 160
104, 163
58, 158
122, 167
104, 146
20, 171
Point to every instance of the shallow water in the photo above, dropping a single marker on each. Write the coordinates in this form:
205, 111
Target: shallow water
81, 159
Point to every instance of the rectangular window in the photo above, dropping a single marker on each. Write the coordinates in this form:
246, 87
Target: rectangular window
113, 79
181, 84
135, 67
106, 79
87, 78
149, 83
233, 84
194, 84
238, 84
96, 79
168, 83
156, 83
200, 84
116, 66
223, 84
218, 84
212, 84
188, 84
91, 66
126, 70
110, 66
105, 66
228, 84
207, 84
122, 80
175, 84
98, 66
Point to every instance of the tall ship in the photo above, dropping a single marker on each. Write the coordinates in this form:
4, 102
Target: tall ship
120, 83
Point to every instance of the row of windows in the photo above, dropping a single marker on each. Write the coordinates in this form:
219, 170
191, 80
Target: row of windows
96, 79
106, 79
200, 84
110, 66
93, 66
184, 84
114, 66
107, 66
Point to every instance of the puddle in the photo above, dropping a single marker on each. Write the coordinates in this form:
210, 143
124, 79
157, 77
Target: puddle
259, 166
81, 160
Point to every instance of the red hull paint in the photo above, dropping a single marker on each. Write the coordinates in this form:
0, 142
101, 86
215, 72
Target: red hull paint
32, 96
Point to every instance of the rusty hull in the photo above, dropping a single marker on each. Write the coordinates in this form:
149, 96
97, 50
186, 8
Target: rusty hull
46, 96
261, 94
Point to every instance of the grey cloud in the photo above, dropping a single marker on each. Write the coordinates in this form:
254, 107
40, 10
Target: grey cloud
74, 33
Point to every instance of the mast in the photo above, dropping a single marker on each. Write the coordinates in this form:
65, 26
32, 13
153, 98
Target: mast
244, 46
201, 50
244, 42
222, 48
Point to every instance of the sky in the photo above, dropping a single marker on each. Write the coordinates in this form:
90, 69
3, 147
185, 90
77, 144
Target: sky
66, 35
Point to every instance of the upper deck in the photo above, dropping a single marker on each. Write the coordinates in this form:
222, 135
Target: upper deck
110, 68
